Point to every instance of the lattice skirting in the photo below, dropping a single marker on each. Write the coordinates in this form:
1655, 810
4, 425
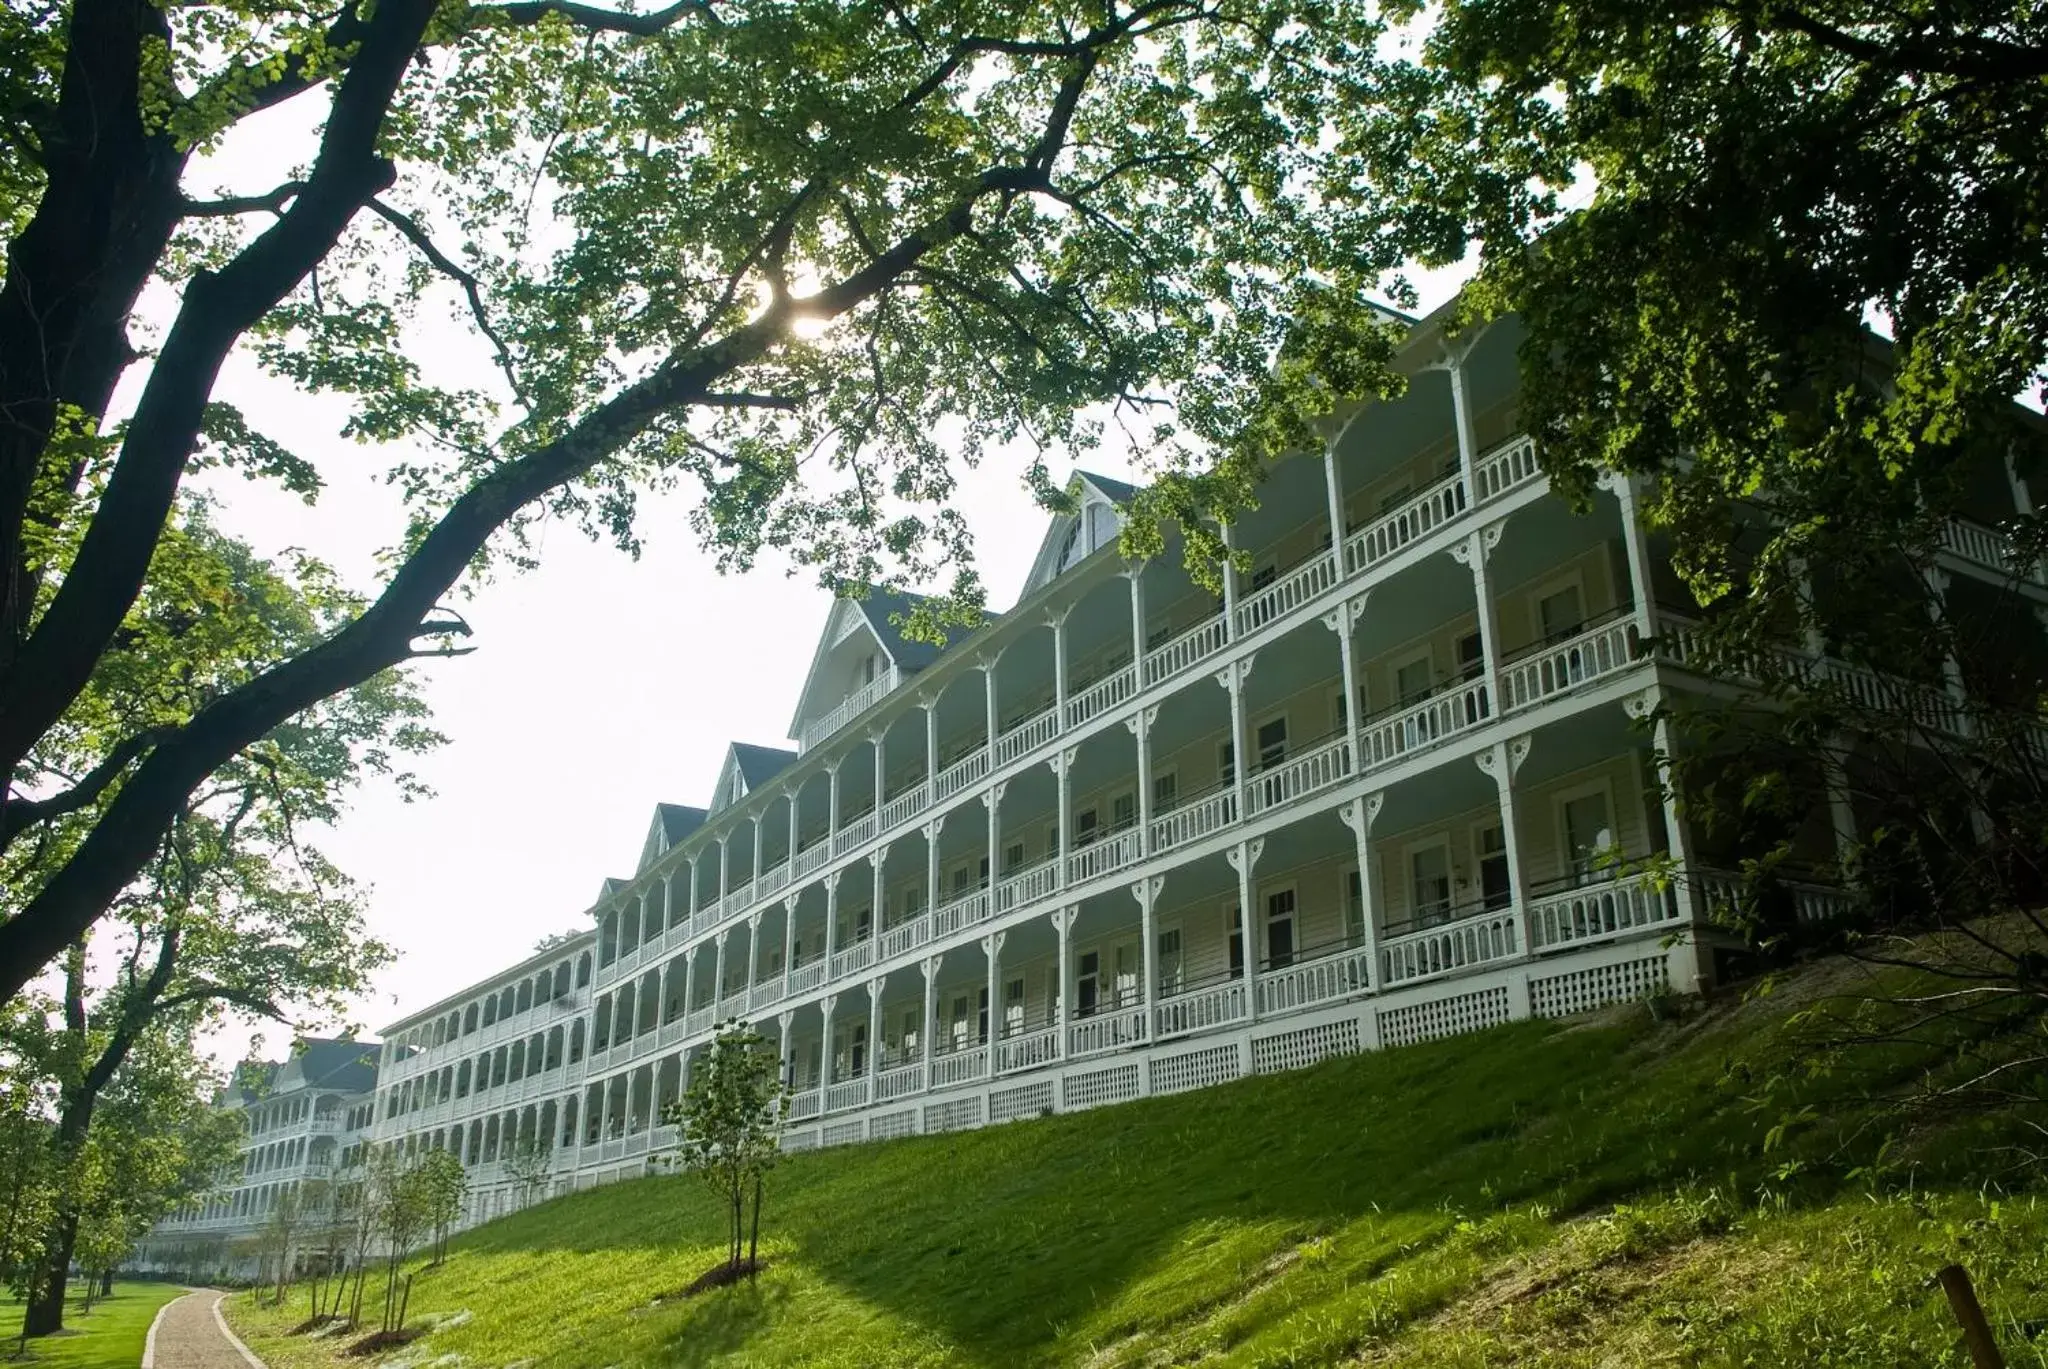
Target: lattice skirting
1454, 1016
800, 1140
1196, 1069
892, 1124
845, 1133
1089, 1090
1584, 990
1009, 1105
956, 1115
1299, 1049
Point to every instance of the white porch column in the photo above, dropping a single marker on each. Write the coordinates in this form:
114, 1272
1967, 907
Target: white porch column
993, 945
992, 799
1358, 815
1461, 417
1140, 725
1057, 621
1472, 553
874, 1030
788, 943
788, 1060
876, 740
1333, 491
1146, 891
831, 808
689, 973
1136, 575
1242, 858
1635, 543
2022, 496
825, 1047
1343, 620
792, 835
879, 859
831, 918
753, 955
1501, 761
1062, 925
693, 889
928, 1034
931, 863
756, 877
1229, 584
930, 704
1232, 678
718, 976
1062, 766
988, 694
724, 865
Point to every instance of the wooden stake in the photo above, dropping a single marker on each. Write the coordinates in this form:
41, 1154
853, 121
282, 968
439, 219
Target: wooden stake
1962, 1300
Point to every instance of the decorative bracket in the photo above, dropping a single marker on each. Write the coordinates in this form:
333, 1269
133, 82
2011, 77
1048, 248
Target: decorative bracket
1146, 891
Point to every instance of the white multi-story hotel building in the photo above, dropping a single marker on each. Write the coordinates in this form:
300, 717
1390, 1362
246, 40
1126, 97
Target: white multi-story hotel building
1131, 838
303, 1118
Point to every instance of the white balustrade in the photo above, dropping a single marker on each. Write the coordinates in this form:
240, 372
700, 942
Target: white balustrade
904, 1079
1310, 982
964, 911
1591, 655
1027, 736
859, 832
1106, 1032
1404, 525
1028, 1051
1286, 594
1200, 1010
957, 1067
960, 774
1309, 773
1027, 886
1101, 857
807, 976
847, 1093
736, 900
763, 994
700, 1020
811, 857
1472, 940
1198, 643
905, 806
853, 959
1507, 467
1596, 911
850, 708
906, 936
1101, 696
1424, 724
775, 879
1977, 543
804, 1105
1195, 819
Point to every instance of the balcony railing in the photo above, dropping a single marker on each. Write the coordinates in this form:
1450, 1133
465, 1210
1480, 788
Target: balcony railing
1200, 1010
1103, 856
1101, 696
1028, 1051
896, 1083
958, 1067
1106, 1032
1597, 652
1476, 939
960, 774
1286, 594
847, 1093
1307, 983
964, 911
850, 708
1594, 912
1306, 774
1027, 736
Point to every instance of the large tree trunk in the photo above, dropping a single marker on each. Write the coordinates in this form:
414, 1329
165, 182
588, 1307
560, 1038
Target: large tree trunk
45, 1312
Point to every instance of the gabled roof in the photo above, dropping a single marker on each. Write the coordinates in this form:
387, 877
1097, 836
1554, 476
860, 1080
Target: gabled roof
671, 823
1091, 489
612, 885
872, 614
316, 1062
1115, 491
760, 764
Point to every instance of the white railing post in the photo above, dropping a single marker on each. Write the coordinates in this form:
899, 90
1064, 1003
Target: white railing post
1472, 553
1063, 925
875, 1027
1242, 858
879, 859
1146, 891
1461, 418
831, 1000
1062, 764
1056, 619
931, 868
1229, 584
928, 1032
1342, 620
1333, 490
831, 882
718, 975
753, 955
992, 799
788, 941
988, 690
1232, 678
1358, 815
1140, 725
1501, 761
1623, 486
993, 946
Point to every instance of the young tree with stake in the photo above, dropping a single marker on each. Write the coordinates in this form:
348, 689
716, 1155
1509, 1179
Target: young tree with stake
730, 1121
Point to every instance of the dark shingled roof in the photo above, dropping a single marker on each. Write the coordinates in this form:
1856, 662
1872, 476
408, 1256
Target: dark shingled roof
1118, 491
760, 764
881, 605
324, 1062
677, 820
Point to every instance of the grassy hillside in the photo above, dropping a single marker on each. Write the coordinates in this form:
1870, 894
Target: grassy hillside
1544, 1194
110, 1336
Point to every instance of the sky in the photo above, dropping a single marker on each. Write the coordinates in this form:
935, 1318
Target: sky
599, 684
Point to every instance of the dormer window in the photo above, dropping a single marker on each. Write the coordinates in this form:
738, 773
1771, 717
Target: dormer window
738, 789
1071, 549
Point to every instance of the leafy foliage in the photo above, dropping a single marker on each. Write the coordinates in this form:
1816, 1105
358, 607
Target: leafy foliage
729, 1124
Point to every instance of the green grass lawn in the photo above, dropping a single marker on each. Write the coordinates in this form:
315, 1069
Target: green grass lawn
108, 1337
1545, 1194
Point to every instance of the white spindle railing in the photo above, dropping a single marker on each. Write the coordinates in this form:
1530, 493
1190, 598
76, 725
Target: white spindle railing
1473, 940
1591, 655
1106, 1032
853, 959
1194, 819
1322, 980
806, 1105
964, 911
906, 936
1306, 774
1422, 725
896, 1083
1507, 467
905, 806
766, 992
1198, 643
1100, 857
1594, 911
700, 1019
775, 879
736, 900
1105, 694
1986, 547
807, 976
1199, 1010
1286, 594
849, 708
857, 832
1028, 1051
811, 857
847, 1093
1028, 885
959, 1066
961, 773
1399, 527
1027, 736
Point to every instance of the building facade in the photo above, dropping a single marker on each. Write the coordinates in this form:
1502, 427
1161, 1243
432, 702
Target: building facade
1398, 781
306, 1117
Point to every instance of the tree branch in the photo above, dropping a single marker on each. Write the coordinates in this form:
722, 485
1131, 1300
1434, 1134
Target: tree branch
18, 814
411, 230
592, 17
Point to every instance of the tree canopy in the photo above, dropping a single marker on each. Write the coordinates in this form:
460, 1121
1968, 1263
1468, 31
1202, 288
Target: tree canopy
803, 258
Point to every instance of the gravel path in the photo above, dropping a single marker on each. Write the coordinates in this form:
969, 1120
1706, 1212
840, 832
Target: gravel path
189, 1333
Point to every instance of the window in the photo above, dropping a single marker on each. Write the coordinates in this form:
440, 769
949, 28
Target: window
1085, 823
1013, 1007
960, 1021
913, 900
1070, 546
1088, 984
1013, 857
863, 924
1413, 679
1354, 908
906, 1035
1560, 613
1394, 498
738, 790
1126, 974
1587, 833
1280, 929
1171, 962
1123, 812
1226, 763
1429, 873
1272, 742
982, 1016
1165, 791
1471, 656
1235, 922
1491, 849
